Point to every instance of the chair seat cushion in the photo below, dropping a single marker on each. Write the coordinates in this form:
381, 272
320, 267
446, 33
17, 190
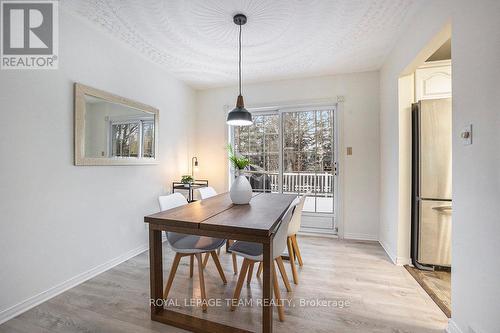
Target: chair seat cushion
248, 250
197, 244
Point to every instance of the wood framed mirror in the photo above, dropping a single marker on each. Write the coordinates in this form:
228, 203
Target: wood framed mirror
113, 130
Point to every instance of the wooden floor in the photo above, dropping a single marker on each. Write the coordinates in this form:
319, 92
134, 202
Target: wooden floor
437, 284
381, 297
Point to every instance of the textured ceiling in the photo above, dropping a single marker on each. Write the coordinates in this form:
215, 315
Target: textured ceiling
196, 40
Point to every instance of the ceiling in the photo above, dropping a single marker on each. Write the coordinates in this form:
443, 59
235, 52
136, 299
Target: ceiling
196, 40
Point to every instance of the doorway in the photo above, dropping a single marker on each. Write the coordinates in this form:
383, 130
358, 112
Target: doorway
293, 150
425, 104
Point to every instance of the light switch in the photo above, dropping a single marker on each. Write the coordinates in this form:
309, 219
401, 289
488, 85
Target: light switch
349, 151
466, 135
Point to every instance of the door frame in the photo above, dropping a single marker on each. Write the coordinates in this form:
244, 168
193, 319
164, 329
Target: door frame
338, 147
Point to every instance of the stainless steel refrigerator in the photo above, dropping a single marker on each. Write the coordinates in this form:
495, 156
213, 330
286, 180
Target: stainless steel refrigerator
431, 183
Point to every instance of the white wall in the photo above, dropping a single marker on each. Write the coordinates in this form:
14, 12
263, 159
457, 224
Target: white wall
476, 168
476, 176
360, 128
394, 158
58, 220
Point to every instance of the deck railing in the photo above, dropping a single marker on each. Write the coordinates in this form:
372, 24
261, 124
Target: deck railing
320, 184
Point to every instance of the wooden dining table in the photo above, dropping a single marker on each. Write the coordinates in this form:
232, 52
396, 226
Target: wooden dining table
217, 217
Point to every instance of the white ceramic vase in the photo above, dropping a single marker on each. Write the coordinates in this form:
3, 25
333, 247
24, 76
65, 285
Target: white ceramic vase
241, 191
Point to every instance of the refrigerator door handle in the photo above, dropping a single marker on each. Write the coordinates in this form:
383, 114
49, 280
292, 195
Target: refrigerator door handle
442, 208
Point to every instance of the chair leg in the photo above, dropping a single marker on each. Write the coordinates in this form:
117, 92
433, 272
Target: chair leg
202, 282
284, 276
292, 261
215, 257
239, 284
205, 261
259, 270
250, 272
171, 276
296, 250
191, 264
277, 295
229, 242
235, 263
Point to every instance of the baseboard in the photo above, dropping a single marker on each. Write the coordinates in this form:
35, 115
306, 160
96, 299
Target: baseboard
314, 233
401, 261
31, 302
358, 236
452, 327
389, 254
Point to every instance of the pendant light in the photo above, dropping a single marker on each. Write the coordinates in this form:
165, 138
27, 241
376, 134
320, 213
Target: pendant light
239, 116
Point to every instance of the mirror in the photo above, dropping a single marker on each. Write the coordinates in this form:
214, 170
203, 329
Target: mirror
112, 130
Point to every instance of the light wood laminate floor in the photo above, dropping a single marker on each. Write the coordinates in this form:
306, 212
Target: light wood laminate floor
381, 297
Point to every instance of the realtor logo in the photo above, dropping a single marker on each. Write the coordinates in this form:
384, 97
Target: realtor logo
30, 32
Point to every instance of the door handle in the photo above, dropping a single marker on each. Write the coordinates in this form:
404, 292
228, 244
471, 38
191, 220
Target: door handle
442, 208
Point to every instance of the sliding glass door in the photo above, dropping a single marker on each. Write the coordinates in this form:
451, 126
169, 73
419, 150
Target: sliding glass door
308, 162
293, 151
260, 144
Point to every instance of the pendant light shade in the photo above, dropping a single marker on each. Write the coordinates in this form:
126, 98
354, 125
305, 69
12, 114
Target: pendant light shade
239, 116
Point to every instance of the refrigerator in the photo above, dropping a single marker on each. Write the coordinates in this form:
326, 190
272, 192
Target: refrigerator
431, 184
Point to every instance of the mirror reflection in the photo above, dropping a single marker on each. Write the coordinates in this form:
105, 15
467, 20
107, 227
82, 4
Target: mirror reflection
115, 130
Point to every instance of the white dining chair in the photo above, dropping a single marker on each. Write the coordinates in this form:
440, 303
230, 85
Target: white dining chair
205, 193
190, 245
292, 244
253, 253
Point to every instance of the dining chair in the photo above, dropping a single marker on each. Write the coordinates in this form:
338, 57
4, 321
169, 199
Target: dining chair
292, 245
291, 241
205, 193
253, 253
190, 246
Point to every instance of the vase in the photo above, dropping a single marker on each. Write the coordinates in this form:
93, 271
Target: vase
241, 191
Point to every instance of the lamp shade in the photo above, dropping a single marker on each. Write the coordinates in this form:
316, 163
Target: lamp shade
239, 116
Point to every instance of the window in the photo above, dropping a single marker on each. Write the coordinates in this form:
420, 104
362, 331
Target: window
292, 151
148, 138
132, 138
260, 143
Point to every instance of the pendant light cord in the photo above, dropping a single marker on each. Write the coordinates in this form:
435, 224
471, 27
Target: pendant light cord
239, 62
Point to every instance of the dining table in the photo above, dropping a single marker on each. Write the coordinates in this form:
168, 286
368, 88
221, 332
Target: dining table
218, 217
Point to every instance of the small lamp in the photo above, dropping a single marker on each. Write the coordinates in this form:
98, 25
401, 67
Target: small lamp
194, 165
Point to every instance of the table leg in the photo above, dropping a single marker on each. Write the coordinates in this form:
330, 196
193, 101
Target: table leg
267, 294
155, 270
